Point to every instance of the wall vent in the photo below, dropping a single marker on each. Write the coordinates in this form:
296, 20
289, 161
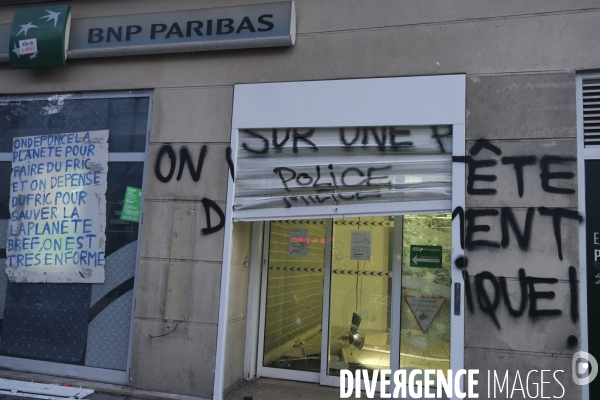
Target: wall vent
591, 112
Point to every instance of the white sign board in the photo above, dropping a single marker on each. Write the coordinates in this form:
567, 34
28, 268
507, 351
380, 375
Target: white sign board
58, 208
425, 309
28, 46
360, 245
298, 242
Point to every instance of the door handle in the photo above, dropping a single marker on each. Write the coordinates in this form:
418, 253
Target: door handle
457, 298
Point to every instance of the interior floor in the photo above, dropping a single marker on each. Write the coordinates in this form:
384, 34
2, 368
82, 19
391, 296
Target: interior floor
307, 354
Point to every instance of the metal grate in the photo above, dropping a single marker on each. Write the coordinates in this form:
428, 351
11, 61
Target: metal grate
591, 112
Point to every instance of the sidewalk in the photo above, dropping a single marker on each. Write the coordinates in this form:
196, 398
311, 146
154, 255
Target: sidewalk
270, 389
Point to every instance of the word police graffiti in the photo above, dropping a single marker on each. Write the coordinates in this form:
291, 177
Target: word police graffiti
490, 289
195, 171
351, 177
306, 181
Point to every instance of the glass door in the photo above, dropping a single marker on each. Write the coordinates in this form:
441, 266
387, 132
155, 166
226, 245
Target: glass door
356, 293
293, 299
360, 307
426, 289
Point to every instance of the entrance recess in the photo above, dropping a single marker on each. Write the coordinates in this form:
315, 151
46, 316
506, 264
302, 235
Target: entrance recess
355, 293
356, 185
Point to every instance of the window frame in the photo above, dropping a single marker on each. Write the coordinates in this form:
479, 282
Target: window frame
82, 371
583, 154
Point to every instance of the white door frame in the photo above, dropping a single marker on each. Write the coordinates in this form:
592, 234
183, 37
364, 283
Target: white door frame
426, 100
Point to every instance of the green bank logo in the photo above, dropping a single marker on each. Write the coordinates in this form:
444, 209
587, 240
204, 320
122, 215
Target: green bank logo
39, 37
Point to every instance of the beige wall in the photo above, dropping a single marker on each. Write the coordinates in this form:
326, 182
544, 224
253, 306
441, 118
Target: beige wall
498, 44
524, 115
236, 326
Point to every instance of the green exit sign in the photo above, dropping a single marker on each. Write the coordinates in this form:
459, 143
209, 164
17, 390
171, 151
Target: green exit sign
425, 256
39, 37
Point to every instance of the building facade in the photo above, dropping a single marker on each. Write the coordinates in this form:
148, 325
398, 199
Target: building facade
290, 191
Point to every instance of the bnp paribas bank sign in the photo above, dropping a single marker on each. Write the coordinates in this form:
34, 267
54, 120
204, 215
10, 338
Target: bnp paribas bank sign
39, 36
46, 36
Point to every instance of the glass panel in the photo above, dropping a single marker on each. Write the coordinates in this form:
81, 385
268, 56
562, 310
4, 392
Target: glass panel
125, 118
75, 323
361, 262
295, 295
426, 285
95, 318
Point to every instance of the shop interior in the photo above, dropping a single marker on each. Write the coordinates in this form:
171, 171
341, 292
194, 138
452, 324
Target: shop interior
361, 252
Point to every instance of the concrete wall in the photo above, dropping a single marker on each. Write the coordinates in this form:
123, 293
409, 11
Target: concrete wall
180, 269
236, 328
522, 115
496, 43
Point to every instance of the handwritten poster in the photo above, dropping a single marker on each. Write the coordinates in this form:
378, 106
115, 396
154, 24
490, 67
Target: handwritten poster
58, 208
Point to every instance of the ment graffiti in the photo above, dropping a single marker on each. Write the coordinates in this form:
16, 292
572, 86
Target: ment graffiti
488, 290
485, 291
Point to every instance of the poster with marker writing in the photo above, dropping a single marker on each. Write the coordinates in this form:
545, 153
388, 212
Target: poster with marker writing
56, 231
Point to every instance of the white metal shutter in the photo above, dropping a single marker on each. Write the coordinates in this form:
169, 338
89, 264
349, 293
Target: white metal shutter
311, 167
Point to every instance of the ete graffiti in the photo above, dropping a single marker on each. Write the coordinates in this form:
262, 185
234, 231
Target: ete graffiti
490, 289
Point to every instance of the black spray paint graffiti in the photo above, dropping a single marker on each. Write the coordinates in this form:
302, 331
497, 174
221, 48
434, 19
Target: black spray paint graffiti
379, 135
325, 178
488, 288
350, 178
195, 171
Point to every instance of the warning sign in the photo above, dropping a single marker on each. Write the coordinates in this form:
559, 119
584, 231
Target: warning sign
425, 309
426, 256
360, 245
298, 242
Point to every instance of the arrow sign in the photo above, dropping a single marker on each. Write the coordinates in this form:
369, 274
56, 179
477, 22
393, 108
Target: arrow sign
426, 256
416, 260
425, 309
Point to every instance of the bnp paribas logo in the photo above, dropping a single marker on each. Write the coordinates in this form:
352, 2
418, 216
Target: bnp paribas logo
39, 36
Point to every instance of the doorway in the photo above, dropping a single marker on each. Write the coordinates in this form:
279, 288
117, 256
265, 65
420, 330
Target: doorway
323, 153
369, 292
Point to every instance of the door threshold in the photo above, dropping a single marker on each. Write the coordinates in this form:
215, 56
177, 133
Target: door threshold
271, 389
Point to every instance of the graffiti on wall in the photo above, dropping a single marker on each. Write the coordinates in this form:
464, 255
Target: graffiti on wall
487, 290
179, 162
305, 167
